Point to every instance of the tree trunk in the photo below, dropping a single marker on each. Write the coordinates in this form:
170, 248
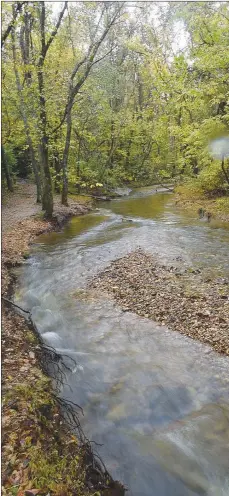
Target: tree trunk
78, 167
34, 166
224, 171
64, 199
9, 180
47, 196
140, 96
25, 46
87, 61
111, 154
146, 153
57, 167
25, 122
129, 143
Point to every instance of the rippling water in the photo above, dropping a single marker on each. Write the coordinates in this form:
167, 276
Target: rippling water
156, 400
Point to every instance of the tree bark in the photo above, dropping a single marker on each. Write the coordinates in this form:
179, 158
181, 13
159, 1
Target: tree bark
25, 46
78, 166
17, 10
47, 196
129, 143
25, 122
9, 180
64, 198
110, 158
224, 171
57, 167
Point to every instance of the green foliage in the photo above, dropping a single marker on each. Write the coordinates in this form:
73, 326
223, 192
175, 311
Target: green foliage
211, 178
148, 109
10, 158
56, 472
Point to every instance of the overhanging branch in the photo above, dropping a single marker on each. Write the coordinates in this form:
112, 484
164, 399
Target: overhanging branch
12, 23
54, 32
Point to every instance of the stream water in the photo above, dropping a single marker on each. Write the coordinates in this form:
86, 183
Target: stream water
157, 401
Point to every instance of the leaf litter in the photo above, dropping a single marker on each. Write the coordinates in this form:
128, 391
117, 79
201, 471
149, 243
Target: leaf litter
181, 299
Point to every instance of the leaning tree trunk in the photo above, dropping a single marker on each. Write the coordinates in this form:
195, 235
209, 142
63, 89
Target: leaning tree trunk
5, 168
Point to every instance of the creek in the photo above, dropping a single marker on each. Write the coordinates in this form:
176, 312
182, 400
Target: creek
156, 400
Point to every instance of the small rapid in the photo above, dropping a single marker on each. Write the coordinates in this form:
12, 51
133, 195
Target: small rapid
157, 401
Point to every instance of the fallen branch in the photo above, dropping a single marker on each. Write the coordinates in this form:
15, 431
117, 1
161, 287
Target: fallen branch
14, 304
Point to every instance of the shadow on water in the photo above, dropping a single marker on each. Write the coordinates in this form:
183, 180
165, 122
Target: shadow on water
156, 400
73, 228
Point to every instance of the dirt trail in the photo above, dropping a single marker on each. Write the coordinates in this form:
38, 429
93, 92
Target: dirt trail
19, 205
21, 223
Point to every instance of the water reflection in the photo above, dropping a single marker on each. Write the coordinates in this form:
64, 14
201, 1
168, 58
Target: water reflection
74, 227
146, 207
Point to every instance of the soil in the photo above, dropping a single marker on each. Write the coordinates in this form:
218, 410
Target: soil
209, 208
19, 205
183, 300
41, 455
22, 205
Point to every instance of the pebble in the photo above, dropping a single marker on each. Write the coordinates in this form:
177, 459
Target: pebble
187, 304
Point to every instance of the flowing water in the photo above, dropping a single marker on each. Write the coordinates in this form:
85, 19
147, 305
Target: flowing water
157, 401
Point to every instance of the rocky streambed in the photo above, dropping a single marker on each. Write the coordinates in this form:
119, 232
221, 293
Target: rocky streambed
182, 299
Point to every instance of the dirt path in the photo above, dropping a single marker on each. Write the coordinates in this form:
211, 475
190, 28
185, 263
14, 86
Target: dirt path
19, 205
21, 223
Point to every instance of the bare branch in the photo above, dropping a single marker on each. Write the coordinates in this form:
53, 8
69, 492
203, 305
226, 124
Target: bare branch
54, 32
77, 66
12, 23
88, 60
42, 30
103, 57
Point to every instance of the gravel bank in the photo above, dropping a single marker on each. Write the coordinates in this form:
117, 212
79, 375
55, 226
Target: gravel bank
181, 299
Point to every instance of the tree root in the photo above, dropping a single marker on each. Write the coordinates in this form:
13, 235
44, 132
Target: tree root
54, 365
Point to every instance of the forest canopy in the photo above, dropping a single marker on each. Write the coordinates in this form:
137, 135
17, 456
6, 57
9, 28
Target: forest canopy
100, 94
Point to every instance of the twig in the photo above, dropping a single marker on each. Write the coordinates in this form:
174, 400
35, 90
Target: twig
14, 304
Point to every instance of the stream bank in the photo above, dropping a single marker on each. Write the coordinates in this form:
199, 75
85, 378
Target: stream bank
180, 298
154, 400
191, 200
41, 455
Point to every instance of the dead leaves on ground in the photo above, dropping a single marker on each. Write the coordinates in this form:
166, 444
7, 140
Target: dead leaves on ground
176, 297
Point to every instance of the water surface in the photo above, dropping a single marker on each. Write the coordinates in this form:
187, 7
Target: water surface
156, 400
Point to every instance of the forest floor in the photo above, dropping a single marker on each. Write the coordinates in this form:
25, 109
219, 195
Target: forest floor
184, 300
22, 205
40, 454
217, 207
